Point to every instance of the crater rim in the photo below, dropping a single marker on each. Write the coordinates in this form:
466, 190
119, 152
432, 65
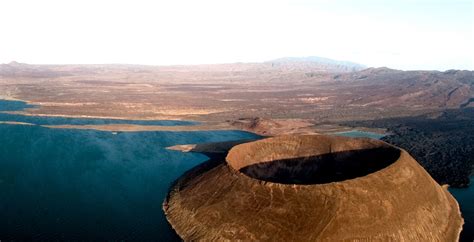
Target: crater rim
376, 154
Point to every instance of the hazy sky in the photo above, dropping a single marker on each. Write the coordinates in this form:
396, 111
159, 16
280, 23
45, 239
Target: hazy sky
403, 34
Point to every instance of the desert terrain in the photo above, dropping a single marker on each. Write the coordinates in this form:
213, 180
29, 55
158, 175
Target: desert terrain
282, 96
277, 90
427, 113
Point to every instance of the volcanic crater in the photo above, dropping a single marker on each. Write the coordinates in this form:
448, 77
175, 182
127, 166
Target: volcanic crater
312, 188
280, 163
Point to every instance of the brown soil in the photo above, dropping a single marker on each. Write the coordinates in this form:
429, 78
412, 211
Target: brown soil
380, 193
233, 91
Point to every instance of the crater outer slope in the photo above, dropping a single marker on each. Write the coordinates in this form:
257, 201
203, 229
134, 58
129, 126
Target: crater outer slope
395, 201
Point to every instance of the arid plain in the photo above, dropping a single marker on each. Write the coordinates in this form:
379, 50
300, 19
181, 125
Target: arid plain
278, 90
288, 95
427, 113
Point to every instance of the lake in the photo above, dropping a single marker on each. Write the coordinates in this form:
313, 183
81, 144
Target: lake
65, 184
465, 197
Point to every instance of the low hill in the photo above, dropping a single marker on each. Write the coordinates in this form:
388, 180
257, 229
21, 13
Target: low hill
317, 63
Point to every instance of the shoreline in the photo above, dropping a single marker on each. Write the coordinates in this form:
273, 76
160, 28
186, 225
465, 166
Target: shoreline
96, 117
138, 128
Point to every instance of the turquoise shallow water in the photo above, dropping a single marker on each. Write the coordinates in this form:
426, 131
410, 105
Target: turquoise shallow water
64, 184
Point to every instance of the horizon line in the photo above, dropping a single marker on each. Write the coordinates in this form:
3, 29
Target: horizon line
363, 66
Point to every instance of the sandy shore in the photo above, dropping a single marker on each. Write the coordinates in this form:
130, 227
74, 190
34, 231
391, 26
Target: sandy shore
15, 123
135, 128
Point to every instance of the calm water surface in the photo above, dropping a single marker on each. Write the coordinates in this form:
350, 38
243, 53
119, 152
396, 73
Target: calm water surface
64, 184
465, 197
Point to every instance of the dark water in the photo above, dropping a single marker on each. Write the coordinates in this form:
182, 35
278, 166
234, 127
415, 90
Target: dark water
464, 196
61, 184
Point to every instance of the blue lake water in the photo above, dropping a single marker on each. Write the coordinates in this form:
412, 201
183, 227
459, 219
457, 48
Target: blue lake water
65, 184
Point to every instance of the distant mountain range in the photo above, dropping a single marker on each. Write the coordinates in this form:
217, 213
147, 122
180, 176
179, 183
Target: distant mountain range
312, 87
310, 64
343, 83
319, 62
